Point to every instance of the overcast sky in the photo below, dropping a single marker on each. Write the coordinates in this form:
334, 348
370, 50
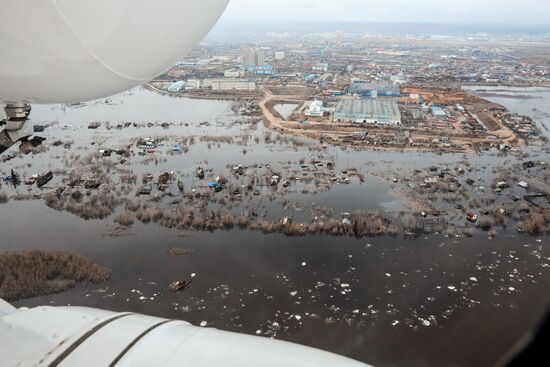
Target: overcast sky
431, 11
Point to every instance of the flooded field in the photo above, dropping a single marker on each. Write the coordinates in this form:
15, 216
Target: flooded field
286, 109
330, 255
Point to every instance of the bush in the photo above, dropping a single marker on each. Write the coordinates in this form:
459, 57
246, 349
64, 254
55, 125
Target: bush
37, 273
536, 224
125, 219
486, 224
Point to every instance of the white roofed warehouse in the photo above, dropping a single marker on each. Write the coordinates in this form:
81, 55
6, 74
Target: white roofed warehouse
176, 87
372, 111
315, 109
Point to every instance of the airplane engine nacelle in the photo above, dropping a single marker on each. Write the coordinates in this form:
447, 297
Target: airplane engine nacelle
61, 51
85, 337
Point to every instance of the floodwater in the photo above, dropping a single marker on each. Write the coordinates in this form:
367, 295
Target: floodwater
285, 109
387, 301
531, 102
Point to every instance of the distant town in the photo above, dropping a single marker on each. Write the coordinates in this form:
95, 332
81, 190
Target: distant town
365, 90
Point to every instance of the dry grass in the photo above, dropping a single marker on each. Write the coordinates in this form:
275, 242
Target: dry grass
538, 223
98, 206
36, 273
217, 139
125, 219
363, 224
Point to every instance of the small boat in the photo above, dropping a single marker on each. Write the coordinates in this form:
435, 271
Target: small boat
144, 191
38, 128
180, 285
410, 234
44, 179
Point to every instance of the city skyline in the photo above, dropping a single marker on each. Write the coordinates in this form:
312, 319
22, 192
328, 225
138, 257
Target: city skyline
424, 11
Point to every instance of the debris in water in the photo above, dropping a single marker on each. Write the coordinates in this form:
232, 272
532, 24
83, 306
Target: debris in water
175, 252
180, 285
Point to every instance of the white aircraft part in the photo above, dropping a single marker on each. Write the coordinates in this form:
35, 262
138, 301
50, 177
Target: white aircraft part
27, 337
6, 308
73, 336
60, 51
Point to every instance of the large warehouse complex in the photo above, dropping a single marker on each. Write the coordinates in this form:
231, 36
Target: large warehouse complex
373, 111
233, 84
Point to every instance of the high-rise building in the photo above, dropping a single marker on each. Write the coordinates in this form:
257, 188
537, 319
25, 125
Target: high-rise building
255, 57
279, 55
323, 67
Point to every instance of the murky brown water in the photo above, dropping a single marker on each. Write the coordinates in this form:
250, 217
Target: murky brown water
434, 301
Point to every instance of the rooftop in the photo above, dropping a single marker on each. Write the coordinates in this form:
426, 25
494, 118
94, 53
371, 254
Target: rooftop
374, 107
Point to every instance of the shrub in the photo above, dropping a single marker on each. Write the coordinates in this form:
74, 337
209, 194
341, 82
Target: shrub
125, 219
36, 273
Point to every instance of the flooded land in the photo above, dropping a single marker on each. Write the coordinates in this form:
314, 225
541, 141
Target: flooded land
389, 256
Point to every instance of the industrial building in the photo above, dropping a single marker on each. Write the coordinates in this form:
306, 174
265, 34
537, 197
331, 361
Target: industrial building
176, 87
193, 84
365, 89
368, 111
265, 70
233, 85
234, 73
438, 113
315, 109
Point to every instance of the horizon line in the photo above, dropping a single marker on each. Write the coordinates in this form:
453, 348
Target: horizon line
419, 22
